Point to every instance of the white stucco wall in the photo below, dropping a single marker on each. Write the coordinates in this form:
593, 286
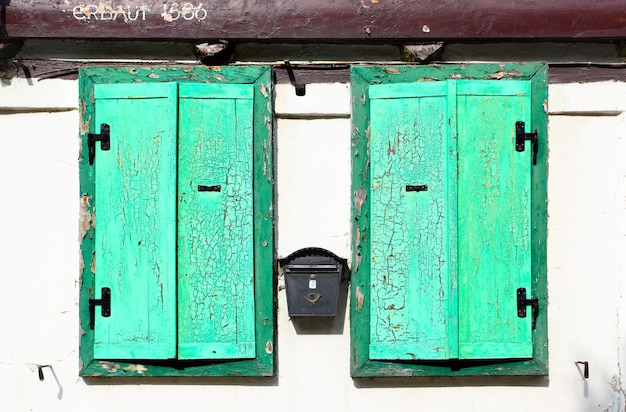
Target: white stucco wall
39, 267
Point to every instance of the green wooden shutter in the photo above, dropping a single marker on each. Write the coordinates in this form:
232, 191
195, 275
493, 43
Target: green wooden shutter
215, 228
494, 197
135, 248
483, 187
412, 300
435, 274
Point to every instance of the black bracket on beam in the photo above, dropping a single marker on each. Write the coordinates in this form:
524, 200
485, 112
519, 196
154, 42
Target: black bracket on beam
104, 138
520, 140
300, 88
105, 306
522, 302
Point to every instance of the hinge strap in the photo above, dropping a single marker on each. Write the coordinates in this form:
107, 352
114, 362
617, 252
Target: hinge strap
105, 306
104, 138
522, 302
520, 140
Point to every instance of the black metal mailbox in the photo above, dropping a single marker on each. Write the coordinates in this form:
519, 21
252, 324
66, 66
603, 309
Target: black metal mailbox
312, 280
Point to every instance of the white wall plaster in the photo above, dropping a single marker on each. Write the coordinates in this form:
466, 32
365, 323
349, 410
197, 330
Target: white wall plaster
34, 94
39, 211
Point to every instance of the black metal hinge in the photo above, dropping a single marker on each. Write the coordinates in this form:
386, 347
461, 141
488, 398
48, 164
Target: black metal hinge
104, 138
520, 140
522, 302
105, 306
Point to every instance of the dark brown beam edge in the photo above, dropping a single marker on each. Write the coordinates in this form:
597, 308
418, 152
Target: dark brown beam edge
585, 74
317, 20
41, 70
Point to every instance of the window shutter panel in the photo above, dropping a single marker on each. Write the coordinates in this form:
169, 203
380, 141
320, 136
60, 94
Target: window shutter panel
435, 288
413, 305
494, 239
215, 233
136, 221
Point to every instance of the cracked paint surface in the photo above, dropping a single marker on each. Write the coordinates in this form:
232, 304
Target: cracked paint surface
169, 137
450, 210
215, 235
409, 262
135, 240
494, 224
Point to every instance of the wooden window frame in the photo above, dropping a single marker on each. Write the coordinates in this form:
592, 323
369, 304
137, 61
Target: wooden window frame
361, 78
265, 332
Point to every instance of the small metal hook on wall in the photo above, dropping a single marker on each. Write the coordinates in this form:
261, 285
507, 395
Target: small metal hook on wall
40, 371
586, 368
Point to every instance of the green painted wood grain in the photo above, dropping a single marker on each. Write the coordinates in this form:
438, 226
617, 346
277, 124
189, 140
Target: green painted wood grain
410, 282
539, 213
493, 220
407, 74
364, 82
360, 217
215, 229
263, 203
259, 79
135, 219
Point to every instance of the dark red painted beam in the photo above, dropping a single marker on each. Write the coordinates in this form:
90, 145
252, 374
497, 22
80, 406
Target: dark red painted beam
320, 20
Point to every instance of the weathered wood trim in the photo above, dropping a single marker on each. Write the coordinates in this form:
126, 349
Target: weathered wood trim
367, 20
558, 72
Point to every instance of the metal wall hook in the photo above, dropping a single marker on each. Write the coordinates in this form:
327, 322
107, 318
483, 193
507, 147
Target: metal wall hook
300, 88
40, 371
586, 368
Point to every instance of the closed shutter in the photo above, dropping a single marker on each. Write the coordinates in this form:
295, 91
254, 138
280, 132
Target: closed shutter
413, 310
135, 250
494, 239
175, 239
215, 218
450, 210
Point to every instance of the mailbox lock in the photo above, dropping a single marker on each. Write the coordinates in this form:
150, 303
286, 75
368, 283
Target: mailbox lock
312, 297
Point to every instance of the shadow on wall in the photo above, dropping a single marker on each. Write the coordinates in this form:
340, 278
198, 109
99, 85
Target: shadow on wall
184, 381
42, 377
447, 382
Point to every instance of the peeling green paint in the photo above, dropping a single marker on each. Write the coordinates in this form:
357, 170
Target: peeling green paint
261, 241
416, 297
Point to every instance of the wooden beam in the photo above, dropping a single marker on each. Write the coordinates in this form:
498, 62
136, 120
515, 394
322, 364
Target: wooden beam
49, 69
297, 20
